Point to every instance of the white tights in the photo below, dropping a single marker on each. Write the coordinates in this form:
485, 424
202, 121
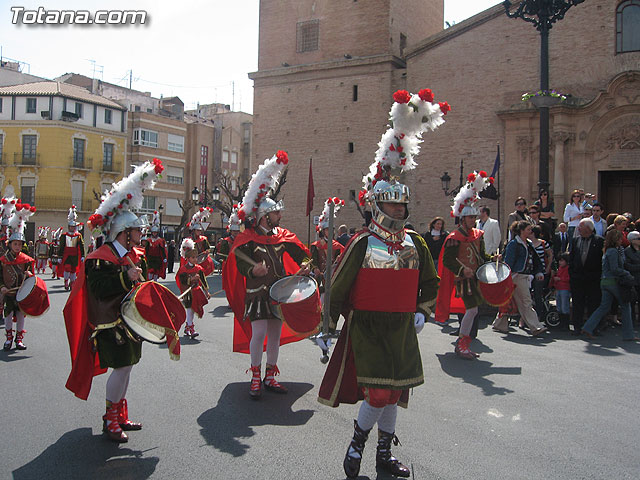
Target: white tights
467, 321
117, 383
270, 328
189, 316
69, 276
8, 321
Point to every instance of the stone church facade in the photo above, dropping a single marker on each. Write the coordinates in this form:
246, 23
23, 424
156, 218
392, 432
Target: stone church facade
327, 70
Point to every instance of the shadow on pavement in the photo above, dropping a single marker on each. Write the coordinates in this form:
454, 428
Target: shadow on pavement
79, 454
233, 418
12, 356
475, 371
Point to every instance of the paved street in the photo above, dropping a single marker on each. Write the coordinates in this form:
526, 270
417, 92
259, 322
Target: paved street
557, 407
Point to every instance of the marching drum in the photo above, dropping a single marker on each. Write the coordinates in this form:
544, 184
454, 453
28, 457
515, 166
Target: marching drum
206, 262
151, 309
495, 283
297, 302
32, 296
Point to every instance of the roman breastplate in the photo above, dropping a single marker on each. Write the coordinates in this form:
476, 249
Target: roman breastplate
271, 255
468, 254
13, 275
72, 242
43, 248
378, 256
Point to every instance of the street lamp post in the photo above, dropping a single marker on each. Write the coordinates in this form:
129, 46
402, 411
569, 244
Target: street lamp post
160, 209
542, 14
195, 195
446, 181
215, 197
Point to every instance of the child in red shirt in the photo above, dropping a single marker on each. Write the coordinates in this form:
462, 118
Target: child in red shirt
560, 281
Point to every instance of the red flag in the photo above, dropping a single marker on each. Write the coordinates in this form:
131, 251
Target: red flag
310, 192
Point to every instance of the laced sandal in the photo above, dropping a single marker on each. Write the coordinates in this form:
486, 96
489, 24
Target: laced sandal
19, 340
270, 383
255, 391
110, 424
384, 459
123, 418
9, 342
353, 457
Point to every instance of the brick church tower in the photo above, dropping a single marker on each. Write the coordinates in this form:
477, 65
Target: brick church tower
326, 73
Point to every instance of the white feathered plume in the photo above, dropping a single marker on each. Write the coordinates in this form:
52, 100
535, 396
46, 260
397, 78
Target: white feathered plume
324, 217
73, 215
155, 220
125, 195
8, 207
469, 194
201, 215
411, 115
186, 245
262, 184
17, 222
234, 220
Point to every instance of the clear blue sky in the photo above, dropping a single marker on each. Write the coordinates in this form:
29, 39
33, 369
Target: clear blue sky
200, 51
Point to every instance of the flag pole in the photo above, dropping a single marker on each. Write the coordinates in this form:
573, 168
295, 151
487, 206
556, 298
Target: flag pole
310, 195
498, 181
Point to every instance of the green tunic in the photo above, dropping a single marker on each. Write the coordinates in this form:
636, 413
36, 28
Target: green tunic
385, 344
108, 282
470, 293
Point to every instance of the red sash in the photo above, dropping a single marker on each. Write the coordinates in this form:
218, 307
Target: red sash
385, 290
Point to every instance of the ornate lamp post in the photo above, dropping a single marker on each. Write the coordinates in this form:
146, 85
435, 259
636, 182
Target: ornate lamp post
195, 195
446, 181
542, 14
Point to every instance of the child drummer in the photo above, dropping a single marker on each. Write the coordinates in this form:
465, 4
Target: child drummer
191, 275
15, 267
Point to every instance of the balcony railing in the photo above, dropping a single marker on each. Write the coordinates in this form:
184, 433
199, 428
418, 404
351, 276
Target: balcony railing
80, 163
26, 160
111, 167
63, 203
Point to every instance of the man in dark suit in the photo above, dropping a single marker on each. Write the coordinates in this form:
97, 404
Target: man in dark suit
343, 236
585, 269
560, 241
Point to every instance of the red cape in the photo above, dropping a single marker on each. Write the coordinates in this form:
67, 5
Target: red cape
337, 246
234, 285
447, 301
20, 259
84, 361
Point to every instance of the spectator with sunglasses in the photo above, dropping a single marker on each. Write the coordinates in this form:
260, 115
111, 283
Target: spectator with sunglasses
520, 213
573, 212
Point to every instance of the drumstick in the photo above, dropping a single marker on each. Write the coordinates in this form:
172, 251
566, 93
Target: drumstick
497, 259
134, 266
184, 293
244, 257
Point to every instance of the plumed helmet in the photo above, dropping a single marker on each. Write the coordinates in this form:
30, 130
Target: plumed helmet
126, 220
390, 191
469, 210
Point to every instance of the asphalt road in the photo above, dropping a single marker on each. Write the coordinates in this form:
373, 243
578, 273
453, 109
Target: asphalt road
557, 407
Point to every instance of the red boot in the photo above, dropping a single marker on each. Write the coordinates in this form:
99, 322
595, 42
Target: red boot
110, 424
19, 340
123, 417
256, 383
9, 342
270, 383
462, 348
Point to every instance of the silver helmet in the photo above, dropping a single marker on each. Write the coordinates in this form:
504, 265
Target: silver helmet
268, 205
125, 220
17, 235
469, 211
389, 192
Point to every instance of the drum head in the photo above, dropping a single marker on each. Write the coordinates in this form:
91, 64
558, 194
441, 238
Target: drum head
292, 289
26, 288
136, 322
488, 273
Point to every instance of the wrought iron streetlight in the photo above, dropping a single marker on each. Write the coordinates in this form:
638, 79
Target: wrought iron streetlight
542, 14
215, 194
195, 195
446, 181
160, 210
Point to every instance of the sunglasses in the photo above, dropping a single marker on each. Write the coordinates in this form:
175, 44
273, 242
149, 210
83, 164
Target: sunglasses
519, 204
576, 196
531, 212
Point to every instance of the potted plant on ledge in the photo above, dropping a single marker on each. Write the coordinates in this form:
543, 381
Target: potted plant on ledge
544, 98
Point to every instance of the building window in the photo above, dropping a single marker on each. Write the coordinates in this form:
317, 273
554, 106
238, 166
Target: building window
204, 156
628, 26
137, 108
107, 116
78, 152
107, 157
28, 190
350, 147
225, 156
174, 175
29, 145
403, 43
31, 105
355, 93
79, 109
76, 193
147, 138
307, 34
176, 143
148, 203
234, 157
0, 105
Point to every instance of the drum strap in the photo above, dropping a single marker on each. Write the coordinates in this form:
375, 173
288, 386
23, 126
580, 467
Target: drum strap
105, 326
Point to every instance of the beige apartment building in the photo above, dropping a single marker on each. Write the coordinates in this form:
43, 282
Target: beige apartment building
327, 71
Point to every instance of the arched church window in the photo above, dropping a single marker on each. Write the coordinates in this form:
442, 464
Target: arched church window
628, 26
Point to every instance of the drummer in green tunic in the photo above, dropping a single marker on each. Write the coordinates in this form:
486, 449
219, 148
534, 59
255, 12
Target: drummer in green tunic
93, 309
463, 254
385, 285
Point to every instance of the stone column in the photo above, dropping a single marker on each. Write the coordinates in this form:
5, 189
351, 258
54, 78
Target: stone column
559, 194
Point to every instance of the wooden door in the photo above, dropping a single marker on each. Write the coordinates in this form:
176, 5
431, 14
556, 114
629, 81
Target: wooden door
619, 191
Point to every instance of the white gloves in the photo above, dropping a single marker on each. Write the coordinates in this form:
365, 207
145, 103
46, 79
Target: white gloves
59, 260
324, 345
419, 322
164, 261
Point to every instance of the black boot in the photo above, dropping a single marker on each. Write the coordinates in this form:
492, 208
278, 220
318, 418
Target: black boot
385, 460
564, 322
352, 464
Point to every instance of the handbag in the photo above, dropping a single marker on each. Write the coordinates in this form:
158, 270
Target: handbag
626, 285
